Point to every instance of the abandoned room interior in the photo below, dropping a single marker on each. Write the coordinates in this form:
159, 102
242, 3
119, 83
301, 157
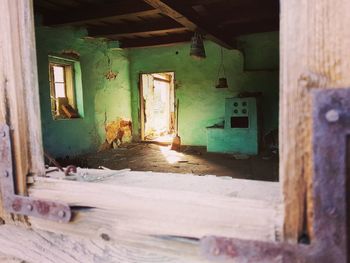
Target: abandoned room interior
139, 131
118, 81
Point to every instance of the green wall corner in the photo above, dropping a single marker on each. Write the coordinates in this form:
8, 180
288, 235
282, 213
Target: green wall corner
102, 100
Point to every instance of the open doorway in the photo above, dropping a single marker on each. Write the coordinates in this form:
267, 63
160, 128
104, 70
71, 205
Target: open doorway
157, 104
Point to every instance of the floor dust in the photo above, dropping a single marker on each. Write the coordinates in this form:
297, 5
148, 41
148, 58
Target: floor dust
159, 158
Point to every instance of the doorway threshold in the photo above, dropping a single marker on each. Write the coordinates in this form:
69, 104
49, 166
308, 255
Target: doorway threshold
161, 140
162, 143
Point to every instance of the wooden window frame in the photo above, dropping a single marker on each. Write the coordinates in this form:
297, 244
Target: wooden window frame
305, 64
52, 87
69, 85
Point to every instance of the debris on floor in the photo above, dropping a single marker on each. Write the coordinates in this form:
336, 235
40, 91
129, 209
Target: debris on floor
241, 156
192, 159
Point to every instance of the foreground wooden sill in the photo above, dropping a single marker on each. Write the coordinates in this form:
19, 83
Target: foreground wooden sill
161, 212
164, 204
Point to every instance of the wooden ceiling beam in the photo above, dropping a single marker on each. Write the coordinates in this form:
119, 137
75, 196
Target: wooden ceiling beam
63, 3
155, 41
245, 14
153, 33
124, 30
96, 12
251, 28
44, 6
187, 17
235, 20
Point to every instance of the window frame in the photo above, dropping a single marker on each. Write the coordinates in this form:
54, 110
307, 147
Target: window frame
52, 77
70, 85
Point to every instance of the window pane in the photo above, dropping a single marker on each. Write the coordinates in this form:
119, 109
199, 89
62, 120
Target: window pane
58, 74
59, 90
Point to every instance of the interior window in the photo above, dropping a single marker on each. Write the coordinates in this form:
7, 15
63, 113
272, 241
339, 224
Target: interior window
62, 90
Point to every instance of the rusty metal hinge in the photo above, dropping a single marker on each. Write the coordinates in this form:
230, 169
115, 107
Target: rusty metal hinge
24, 205
331, 183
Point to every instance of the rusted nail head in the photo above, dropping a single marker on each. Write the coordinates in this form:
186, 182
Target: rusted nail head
61, 214
29, 207
105, 237
332, 116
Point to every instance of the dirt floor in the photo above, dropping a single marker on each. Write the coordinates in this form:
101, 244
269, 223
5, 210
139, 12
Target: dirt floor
158, 158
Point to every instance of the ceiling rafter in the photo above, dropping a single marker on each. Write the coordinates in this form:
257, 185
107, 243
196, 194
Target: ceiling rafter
156, 41
158, 26
97, 12
244, 14
252, 27
186, 16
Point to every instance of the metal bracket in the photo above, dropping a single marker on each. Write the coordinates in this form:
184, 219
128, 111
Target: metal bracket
24, 205
331, 154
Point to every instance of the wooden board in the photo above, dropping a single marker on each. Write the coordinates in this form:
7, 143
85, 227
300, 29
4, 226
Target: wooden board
160, 214
9, 259
160, 211
141, 109
144, 216
19, 97
48, 247
315, 41
211, 184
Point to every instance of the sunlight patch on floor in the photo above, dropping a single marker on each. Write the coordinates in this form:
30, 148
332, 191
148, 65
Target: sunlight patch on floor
165, 138
170, 155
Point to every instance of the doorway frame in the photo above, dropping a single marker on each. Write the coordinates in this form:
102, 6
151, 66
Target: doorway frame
141, 101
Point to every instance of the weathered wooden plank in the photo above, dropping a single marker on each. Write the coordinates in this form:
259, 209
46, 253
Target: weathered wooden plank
249, 13
211, 184
48, 247
96, 12
155, 211
315, 43
156, 41
131, 29
141, 109
261, 26
156, 217
144, 217
10, 259
19, 97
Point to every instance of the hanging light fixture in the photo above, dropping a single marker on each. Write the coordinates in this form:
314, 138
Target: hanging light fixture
222, 81
197, 46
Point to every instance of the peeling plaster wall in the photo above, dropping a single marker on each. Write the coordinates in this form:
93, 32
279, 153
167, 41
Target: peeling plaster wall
101, 97
201, 104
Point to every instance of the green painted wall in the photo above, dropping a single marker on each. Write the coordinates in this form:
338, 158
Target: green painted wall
201, 104
101, 97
